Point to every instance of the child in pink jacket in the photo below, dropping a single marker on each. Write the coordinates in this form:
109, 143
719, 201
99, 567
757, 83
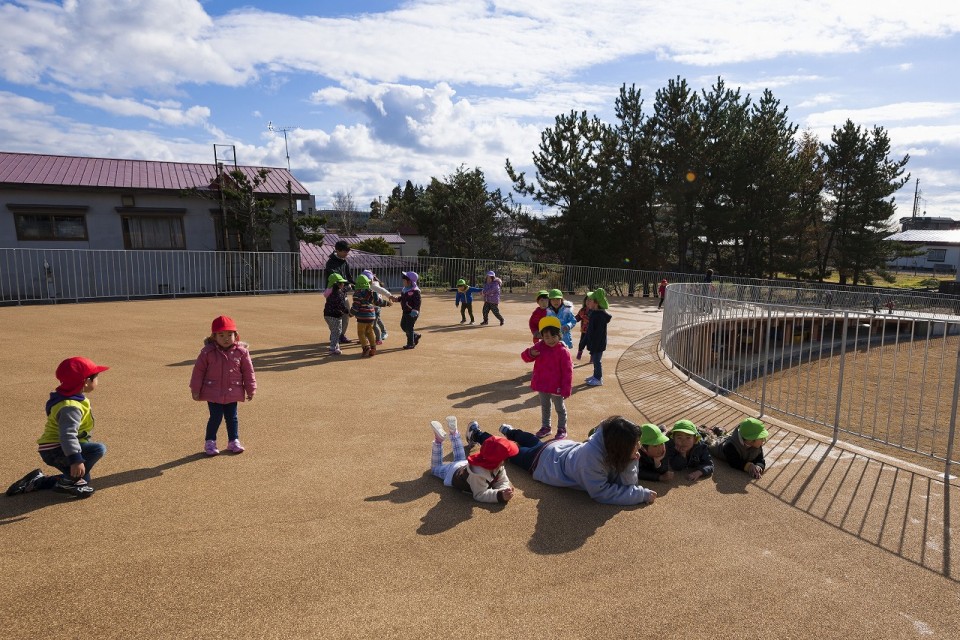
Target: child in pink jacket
223, 375
552, 375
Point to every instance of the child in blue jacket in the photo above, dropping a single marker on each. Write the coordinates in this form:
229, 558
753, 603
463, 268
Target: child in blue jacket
560, 309
464, 299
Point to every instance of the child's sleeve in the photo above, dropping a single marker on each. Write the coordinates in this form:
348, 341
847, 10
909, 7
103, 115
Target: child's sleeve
68, 421
704, 459
525, 354
415, 300
759, 461
379, 289
482, 490
646, 472
731, 455
199, 371
249, 377
566, 373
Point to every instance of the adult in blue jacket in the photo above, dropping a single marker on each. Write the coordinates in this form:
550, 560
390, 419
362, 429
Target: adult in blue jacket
605, 466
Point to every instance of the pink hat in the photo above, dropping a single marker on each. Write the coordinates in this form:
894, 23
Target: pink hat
223, 323
72, 373
493, 452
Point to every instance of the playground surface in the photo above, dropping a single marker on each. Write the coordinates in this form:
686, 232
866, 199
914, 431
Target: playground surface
330, 525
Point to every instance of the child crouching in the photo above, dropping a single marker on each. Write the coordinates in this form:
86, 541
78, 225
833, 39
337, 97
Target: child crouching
742, 448
481, 474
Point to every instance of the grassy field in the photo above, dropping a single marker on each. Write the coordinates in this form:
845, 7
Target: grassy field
906, 280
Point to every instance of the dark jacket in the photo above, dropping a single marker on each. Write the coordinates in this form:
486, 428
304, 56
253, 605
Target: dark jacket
336, 264
336, 305
697, 459
732, 450
647, 470
410, 300
597, 330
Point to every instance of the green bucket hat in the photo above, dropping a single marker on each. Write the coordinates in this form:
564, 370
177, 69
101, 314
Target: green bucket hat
461, 282
543, 293
650, 435
362, 282
685, 426
600, 296
555, 293
335, 278
753, 429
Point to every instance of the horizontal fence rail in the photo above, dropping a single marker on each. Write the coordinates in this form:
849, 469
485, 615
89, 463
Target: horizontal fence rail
885, 376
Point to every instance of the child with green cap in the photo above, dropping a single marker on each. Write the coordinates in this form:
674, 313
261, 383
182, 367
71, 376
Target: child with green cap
742, 448
653, 454
686, 450
597, 332
336, 310
464, 299
365, 303
560, 309
543, 299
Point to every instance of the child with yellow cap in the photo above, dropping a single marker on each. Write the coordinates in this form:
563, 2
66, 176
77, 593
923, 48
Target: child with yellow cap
552, 375
686, 450
742, 448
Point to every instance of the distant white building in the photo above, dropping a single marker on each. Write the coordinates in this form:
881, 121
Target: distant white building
940, 250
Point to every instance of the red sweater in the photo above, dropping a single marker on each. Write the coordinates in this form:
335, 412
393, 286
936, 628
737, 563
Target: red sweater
535, 318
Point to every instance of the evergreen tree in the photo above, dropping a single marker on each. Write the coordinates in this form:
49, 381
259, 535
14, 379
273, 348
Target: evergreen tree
860, 182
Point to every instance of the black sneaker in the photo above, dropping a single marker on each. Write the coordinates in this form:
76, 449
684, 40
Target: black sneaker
26, 483
501, 323
484, 322
416, 338
76, 488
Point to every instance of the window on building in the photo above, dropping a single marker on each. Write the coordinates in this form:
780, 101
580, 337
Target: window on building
936, 255
153, 232
50, 226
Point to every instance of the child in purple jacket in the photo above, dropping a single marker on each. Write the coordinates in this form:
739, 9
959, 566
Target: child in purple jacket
491, 297
223, 375
552, 375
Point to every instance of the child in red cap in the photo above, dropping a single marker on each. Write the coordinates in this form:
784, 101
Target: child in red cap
223, 375
65, 443
482, 474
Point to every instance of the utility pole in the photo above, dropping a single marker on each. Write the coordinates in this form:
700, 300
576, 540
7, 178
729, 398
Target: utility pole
916, 199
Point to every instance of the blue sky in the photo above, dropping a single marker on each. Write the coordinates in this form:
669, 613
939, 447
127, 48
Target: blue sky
376, 93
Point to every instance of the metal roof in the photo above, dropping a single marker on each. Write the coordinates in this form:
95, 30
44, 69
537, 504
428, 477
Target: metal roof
313, 257
28, 169
928, 236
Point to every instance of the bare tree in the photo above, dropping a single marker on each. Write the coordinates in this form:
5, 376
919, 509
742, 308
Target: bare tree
346, 210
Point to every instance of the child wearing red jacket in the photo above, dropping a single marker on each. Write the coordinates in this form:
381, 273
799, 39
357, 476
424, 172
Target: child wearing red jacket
552, 375
223, 375
543, 299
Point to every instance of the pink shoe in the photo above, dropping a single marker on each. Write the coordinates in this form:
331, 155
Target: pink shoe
210, 448
379, 342
543, 433
561, 434
234, 446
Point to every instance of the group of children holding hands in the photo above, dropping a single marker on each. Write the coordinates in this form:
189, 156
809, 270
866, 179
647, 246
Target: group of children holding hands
368, 297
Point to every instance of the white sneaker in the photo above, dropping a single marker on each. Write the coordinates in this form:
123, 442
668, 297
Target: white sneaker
593, 382
452, 424
438, 431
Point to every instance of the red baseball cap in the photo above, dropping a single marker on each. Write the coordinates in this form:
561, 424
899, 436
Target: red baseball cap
223, 323
73, 371
493, 452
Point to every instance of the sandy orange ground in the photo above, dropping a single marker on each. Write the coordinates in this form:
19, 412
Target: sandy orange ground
330, 525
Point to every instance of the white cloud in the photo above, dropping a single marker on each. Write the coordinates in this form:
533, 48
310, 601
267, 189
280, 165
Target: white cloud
165, 112
885, 114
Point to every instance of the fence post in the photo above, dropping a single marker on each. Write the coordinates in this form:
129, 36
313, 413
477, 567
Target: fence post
843, 360
946, 467
766, 360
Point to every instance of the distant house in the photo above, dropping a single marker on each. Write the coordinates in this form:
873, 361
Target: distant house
930, 223
313, 260
67, 202
940, 250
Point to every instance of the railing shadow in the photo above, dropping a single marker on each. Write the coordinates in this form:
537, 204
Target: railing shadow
868, 497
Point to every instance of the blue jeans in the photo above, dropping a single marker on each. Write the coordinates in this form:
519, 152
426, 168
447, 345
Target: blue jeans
91, 452
219, 412
596, 356
528, 443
